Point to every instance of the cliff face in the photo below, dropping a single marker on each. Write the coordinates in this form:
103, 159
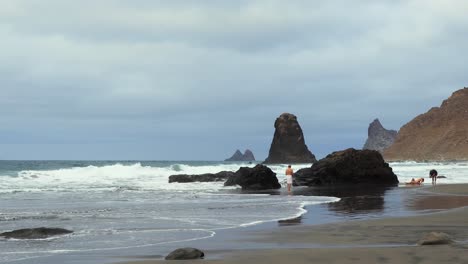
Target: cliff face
379, 138
288, 145
440, 134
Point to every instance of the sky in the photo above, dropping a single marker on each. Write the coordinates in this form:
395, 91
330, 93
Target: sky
196, 80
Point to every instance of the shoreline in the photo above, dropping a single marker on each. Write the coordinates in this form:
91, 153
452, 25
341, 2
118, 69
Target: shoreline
383, 239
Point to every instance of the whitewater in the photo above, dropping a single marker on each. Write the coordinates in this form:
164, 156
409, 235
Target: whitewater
116, 205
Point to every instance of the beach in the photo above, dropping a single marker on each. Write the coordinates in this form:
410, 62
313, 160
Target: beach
385, 240
121, 211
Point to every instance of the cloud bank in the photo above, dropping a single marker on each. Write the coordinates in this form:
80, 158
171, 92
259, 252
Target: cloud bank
195, 80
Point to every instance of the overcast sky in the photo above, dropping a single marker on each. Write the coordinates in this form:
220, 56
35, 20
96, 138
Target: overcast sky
196, 80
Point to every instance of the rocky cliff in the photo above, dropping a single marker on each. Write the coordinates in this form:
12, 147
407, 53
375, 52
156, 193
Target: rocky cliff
439, 134
288, 145
238, 156
379, 138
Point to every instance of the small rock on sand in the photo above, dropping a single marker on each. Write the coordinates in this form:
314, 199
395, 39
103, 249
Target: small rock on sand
435, 238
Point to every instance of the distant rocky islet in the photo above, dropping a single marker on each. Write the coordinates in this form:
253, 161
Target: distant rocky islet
238, 156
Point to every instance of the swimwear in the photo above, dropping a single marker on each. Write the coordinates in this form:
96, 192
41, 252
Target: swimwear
289, 179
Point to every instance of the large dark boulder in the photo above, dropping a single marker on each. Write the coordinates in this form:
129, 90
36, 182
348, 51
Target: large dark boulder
207, 177
35, 233
259, 177
238, 156
379, 138
288, 145
345, 167
185, 253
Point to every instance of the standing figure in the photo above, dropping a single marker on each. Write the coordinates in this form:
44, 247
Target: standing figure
289, 177
433, 175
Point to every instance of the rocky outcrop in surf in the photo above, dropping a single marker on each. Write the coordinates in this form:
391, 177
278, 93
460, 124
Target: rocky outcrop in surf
238, 156
379, 138
288, 145
440, 134
347, 167
185, 253
207, 177
259, 177
35, 233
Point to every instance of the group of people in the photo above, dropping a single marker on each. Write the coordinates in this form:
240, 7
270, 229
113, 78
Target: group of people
419, 181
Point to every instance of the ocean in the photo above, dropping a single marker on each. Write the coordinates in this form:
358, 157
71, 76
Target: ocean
120, 208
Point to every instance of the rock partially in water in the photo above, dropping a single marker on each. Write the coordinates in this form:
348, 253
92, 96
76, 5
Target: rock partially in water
259, 177
348, 167
35, 233
207, 177
185, 253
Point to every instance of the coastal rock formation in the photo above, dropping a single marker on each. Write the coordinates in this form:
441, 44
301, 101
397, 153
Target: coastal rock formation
440, 134
259, 177
379, 138
248, 155
207, 177
185, 253
346, 167
435, 238
288, 145
238, 156
35, 233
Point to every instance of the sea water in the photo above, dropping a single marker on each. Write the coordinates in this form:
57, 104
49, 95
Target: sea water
116, 206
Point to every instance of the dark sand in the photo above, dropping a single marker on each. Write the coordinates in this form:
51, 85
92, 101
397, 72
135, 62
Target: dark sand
387, 240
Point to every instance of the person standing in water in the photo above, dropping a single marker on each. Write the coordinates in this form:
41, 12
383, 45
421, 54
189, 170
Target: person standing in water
289, 177
433, 175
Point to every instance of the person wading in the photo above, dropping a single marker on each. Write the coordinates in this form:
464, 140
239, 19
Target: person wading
289, 177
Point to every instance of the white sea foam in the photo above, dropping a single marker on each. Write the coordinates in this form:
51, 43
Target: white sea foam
119, 177
136, 177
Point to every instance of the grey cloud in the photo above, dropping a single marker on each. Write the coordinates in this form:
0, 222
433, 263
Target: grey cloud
142, 72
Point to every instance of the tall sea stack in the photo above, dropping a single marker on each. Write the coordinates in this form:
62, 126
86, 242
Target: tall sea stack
288, 145
440, 134
379, 138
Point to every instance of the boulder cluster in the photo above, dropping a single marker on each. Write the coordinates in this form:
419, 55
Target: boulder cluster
259, 177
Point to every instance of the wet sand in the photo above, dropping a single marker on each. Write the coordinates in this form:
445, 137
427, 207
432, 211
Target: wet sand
387, 240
